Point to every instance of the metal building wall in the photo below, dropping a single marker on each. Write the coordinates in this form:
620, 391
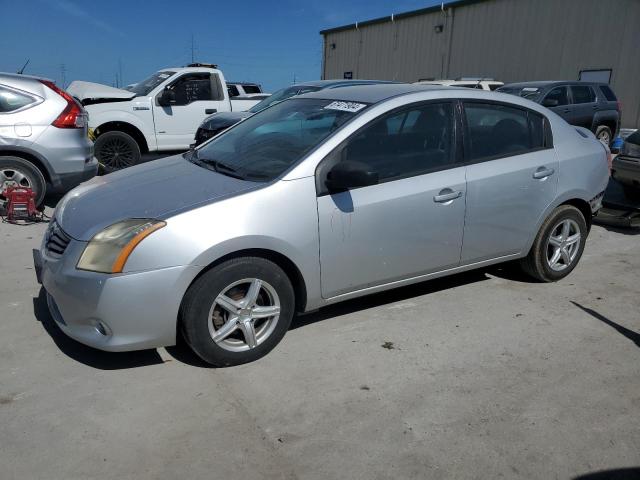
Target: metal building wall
510, 40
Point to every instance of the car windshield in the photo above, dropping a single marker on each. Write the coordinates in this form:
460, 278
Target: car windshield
143, 88
267, 144
281, 95
531, 93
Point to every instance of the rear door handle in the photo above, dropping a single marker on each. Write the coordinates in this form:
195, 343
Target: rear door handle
543, 173
209, 111
446, 195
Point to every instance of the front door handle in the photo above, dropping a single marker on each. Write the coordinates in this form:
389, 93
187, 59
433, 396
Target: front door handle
209, 111
446, 195
542, 173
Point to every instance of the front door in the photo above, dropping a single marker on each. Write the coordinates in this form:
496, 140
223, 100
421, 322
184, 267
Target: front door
197, 95
512, 177
410, 223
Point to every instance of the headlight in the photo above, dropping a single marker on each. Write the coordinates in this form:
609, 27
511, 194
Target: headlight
108, 251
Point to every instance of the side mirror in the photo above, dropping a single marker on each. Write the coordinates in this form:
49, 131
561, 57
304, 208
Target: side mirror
167, 98
346, 175
550, 102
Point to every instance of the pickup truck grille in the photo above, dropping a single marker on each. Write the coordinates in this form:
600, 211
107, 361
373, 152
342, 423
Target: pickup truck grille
56, 241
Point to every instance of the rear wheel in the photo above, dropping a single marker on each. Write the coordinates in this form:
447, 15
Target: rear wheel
558, 245
117, 150
603, 133
238, 311
18, 172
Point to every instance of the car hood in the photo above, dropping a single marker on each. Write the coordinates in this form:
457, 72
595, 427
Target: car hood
92, 91
223, 120
157, 189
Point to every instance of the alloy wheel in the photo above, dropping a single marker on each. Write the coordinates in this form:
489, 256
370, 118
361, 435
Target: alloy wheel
604, 137
116, 153
13, 177
563, 245
244, 315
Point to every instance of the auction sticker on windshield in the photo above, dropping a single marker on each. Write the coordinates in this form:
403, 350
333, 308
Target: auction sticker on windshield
346, 106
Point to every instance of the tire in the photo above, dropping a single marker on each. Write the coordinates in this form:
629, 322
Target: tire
538, 263
631, 192
603, 133
203, 316
18, 171
117, 150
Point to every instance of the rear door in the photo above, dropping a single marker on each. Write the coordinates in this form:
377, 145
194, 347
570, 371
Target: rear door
411, 222
512, 176
197, 95
584, 105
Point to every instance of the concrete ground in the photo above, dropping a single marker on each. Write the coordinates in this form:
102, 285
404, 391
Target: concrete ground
479, 376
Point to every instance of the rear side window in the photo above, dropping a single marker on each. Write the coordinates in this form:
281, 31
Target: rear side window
251, 89
582, 94
233, 90
10, 100
608, 93
495, 131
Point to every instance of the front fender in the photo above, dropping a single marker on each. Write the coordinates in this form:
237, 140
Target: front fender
98, 117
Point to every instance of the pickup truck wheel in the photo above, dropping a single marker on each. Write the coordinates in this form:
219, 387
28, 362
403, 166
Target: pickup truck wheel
116, 150
15, 171
603, 133
558, 246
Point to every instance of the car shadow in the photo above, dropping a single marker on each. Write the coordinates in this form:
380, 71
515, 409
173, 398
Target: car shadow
632, 473
89, 356
630, 334
182, 353
387, 297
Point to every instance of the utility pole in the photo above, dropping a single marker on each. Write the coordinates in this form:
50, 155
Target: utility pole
192, 50
120, 72
63, 75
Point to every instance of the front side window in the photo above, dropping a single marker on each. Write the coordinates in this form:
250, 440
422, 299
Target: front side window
10, 100
582, 94
556, 97
267, 144
192, 87
411, 142
250, 89
495, 131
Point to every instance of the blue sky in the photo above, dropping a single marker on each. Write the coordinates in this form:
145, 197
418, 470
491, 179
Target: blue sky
262, 41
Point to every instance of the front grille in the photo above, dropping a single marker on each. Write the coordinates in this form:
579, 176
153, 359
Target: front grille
56, 241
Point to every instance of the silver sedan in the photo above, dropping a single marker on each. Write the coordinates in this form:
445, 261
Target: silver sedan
318, 199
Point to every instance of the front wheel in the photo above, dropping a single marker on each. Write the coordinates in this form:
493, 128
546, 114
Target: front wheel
117, 150
238, 311
558, 245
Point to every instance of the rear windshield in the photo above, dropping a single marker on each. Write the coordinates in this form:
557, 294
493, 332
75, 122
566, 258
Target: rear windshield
145, 87
267, 144
608, 93
281, 95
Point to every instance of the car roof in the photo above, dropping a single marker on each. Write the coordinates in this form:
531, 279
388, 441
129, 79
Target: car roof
19, 77
373, 93
341, 83
549, 83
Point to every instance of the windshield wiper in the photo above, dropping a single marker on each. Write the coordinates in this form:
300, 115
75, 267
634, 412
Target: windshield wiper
219, 166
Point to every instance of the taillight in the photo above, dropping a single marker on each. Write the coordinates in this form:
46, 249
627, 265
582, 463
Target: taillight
72, 116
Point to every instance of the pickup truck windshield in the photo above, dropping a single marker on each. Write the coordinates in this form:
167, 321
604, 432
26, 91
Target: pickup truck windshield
281, 95
264, 146
144, 87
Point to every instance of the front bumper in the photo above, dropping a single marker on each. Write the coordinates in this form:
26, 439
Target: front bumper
626, 170
119, 312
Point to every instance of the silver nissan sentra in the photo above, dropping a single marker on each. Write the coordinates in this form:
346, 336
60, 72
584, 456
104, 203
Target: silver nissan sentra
318, 199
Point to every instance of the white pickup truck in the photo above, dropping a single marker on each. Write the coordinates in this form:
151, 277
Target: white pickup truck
160, 113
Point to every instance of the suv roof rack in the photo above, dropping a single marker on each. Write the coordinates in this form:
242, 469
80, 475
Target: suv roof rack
203, 65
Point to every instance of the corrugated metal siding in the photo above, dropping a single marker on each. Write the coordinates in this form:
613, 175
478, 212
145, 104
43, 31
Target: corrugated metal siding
510, 40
